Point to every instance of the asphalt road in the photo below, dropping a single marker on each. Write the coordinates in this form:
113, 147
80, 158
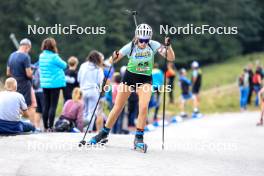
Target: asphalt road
218, 145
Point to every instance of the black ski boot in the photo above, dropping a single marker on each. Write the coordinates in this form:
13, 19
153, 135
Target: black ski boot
100, 138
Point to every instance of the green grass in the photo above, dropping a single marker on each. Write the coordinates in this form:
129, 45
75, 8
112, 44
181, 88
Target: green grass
220, 92
1, 85
227, 72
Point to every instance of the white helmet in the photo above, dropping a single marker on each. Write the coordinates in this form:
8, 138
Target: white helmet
143, 31
195, 64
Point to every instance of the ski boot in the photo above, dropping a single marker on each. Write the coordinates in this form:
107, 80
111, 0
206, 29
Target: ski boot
139, 145
100, 138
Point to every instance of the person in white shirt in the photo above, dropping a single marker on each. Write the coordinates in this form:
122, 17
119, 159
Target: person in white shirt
90, 77
12, 106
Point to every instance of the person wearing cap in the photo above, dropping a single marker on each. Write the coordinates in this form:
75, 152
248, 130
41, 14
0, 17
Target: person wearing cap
19, 67
196, 84
12, 106
140, 53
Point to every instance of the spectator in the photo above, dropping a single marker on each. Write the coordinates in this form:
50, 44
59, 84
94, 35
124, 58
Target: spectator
251, 87
132, 110
73, 109
52, 79
170, 75
257, 84
18, 66
260, 95
90, 77
71, 78
118, 127
259, 69
38, 94
101, 117
196, 85
244, 89
186, 95
157, 83
12, 105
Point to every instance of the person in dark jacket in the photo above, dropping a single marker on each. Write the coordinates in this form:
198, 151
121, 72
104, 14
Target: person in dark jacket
196, 84
71, 78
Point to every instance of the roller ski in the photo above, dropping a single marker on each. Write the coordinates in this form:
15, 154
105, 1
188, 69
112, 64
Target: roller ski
139, 145
196, 114
98, 140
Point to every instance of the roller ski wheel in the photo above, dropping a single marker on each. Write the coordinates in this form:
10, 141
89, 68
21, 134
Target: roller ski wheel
82, 143
141, 147
92, 142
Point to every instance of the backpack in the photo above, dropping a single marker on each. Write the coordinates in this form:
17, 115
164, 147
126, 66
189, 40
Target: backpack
36, 78
63, 125
256, 78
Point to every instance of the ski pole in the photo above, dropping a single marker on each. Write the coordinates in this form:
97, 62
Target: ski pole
134, 14
14, 40
164, 92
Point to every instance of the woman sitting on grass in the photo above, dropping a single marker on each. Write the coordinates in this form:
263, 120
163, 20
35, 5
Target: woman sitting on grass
73, 109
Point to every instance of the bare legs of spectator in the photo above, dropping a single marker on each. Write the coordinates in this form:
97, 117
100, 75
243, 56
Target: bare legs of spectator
196, 101
38, 120
32, 109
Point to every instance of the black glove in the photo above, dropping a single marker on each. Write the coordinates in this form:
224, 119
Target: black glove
167, 41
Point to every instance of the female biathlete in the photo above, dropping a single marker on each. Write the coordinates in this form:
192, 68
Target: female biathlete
140, 53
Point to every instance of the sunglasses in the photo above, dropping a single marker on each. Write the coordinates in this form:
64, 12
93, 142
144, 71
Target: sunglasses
143, 40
